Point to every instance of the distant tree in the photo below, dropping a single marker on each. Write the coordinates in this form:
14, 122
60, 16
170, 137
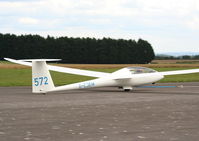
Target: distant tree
146, 52
76, 50
196, 57
186, 57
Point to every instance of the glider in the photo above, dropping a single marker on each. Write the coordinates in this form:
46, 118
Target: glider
125, 78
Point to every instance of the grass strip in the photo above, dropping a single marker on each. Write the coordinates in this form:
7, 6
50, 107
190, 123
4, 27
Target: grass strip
22, 77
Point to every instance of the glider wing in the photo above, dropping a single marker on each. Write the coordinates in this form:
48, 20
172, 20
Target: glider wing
62, 69
180, 72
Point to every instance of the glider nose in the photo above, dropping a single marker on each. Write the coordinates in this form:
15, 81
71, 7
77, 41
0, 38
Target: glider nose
142, 79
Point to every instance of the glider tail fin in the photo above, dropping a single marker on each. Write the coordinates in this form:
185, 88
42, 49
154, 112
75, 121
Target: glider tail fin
41, 79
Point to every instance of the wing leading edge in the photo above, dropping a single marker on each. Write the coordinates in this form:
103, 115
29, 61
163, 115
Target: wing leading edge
64, 69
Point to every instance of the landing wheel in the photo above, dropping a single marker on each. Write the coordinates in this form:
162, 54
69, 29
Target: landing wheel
126, 90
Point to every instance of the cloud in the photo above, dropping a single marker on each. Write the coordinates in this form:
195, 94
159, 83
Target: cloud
151, 12
28, 21
159, 21
193, 23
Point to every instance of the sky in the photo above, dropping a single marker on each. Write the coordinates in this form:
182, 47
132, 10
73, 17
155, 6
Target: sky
169, 25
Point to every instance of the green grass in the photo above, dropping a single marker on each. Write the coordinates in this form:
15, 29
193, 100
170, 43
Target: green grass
6, 62
22, 77
15, 77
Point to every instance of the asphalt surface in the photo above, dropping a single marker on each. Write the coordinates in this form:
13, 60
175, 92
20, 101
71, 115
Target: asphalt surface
101, 114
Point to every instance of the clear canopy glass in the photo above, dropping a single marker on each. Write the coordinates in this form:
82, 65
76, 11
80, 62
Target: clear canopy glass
137, 70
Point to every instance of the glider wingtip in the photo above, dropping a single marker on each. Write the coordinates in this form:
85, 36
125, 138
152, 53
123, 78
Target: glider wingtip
5, 58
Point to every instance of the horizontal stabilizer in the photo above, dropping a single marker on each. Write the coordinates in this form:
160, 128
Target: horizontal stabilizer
39, 60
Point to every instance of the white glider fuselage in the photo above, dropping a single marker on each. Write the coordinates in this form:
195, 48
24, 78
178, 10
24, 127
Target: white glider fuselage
121, 78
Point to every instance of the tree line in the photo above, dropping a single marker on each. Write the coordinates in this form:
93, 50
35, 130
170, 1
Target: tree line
76, 50
185, 57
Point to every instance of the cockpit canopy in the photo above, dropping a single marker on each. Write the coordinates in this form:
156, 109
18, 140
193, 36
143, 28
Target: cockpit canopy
138, 70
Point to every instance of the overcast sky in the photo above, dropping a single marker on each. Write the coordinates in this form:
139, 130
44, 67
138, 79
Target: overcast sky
169, 25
